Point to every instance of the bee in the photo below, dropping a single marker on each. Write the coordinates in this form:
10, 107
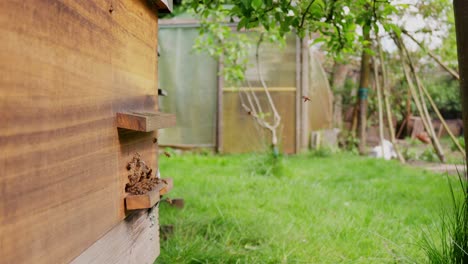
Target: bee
306, 98
155, 140
111, 9
167, 154
249, 112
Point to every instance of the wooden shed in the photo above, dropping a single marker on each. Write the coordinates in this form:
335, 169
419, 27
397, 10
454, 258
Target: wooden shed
78, 101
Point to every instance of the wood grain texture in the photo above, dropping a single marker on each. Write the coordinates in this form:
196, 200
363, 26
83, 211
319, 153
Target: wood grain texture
145, 121
127, 243
67, 67
148, 200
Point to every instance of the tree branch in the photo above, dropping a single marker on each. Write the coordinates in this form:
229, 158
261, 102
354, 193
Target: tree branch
432, 55
305, 13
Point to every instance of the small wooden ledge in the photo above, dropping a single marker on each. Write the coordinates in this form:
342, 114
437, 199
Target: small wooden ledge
145, 121
148, 200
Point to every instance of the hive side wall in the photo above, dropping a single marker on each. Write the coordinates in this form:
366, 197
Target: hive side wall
66, 68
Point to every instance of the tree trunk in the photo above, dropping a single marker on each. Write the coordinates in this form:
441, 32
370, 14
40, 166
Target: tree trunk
339, 77
363, 92
461, 16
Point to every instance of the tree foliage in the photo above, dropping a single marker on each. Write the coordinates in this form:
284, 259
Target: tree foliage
340, 25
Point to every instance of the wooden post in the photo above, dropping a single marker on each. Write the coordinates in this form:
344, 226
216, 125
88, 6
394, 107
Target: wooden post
305, 91
461, 16
363, 92
219, 107
298, 133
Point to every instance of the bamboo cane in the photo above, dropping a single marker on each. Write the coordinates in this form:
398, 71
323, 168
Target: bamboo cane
379, 104
432, 132
431, 101
387, 103
442, 120
417, 99
432, 55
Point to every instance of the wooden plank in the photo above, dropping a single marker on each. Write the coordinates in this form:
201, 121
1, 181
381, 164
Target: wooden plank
135, 240
305, 106
219, 107
68, 66
145, 121
148, 200
298, 101
144, 201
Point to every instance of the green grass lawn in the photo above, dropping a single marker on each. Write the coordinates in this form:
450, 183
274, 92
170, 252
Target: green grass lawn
337, 209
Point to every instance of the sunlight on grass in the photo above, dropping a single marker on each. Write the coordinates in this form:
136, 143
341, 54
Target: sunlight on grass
336, 209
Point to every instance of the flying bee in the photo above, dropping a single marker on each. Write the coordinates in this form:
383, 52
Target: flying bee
306, 98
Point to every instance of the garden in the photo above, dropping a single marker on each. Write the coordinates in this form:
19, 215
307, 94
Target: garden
316, 207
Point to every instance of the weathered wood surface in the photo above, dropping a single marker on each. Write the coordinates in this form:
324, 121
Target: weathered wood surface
143, 201
127, 243
67, 67
145, 121
148, 200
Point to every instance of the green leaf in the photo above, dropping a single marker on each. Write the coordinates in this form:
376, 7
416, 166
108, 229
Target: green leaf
256, 4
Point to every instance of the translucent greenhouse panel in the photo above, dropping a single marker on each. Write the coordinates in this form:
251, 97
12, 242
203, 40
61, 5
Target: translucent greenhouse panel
242, 134
190, 79
278, 65
321, 104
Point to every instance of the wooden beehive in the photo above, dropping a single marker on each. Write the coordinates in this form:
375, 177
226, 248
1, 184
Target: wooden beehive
67, 68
